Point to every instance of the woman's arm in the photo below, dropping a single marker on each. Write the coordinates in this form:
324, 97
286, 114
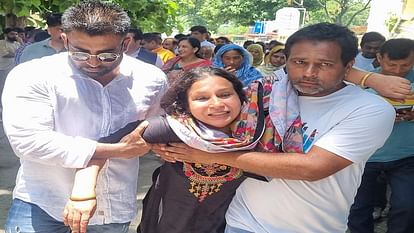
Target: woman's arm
82, 204
386, 85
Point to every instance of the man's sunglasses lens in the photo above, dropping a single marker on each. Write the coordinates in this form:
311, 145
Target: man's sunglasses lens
108, 57
104, 57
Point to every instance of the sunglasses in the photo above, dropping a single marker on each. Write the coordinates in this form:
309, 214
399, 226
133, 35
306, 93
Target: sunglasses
103, 57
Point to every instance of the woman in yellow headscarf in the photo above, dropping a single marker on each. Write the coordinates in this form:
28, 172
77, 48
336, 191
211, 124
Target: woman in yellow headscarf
273, 61
257, 53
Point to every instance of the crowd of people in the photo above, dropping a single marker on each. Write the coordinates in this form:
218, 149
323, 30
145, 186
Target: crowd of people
275, 137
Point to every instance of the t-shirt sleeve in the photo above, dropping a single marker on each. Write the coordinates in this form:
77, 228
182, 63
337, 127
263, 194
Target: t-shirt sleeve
360, 134
158, 131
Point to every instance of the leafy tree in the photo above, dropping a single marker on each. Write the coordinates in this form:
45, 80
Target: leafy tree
157, 15
343, 12
214, 13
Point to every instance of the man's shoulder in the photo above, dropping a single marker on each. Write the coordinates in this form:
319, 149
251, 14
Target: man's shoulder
39, 45
363, 102
145, 51
139, 68
361, 95
207, 44
44, 64
37, 50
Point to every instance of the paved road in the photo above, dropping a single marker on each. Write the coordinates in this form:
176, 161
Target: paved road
9, 165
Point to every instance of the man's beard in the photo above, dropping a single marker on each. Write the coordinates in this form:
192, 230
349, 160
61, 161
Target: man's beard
12, 38
317, 88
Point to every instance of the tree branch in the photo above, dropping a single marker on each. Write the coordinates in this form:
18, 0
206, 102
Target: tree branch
357, 12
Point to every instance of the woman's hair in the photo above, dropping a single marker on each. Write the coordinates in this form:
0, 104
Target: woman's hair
194, 43
175, 100
96, 18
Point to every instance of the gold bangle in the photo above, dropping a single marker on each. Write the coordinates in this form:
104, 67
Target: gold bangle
364, 79
82, 198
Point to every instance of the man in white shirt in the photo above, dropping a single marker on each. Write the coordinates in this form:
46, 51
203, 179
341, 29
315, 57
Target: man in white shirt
370, 45
57, 107
310, 191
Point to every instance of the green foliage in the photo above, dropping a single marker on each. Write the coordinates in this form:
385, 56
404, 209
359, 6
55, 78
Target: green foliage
214, 13
155, 15
229, 29
344, 12
166, 15
392, 22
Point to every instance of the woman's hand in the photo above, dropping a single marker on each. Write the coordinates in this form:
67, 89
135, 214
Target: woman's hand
77, 214
230, 69
393, 87
181, 152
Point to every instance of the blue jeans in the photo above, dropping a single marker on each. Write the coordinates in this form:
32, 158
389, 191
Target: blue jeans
25, 217
400, 175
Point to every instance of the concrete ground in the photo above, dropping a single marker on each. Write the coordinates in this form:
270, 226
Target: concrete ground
9, 165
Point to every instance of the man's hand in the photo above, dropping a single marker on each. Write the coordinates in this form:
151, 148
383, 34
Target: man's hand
77, 214
134, 144
183, 153
130, 146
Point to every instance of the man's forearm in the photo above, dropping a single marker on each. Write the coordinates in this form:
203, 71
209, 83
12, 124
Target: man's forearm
293, 166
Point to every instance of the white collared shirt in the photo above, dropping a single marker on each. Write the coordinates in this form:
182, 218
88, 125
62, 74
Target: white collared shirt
53, 116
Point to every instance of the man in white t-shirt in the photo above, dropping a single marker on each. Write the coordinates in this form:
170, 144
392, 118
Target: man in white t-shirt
342, 126
370, 45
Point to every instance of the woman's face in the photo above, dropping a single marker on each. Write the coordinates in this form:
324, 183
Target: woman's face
233, 59
213, 101
185, 49
255, 53
278, 59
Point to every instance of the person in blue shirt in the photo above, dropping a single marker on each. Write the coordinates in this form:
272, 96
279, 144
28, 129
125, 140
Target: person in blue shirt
396, 158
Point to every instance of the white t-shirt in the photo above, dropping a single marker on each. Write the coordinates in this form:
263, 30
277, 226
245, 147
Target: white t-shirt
364, 63
350, 123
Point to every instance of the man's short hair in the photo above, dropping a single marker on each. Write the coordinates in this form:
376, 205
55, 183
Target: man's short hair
371, 37
19, 30
198, 28
138, 35
227, 40
8, 30
345, 38
179, 36
397, 49
54, 19
247, 43
96, 18
152, 36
